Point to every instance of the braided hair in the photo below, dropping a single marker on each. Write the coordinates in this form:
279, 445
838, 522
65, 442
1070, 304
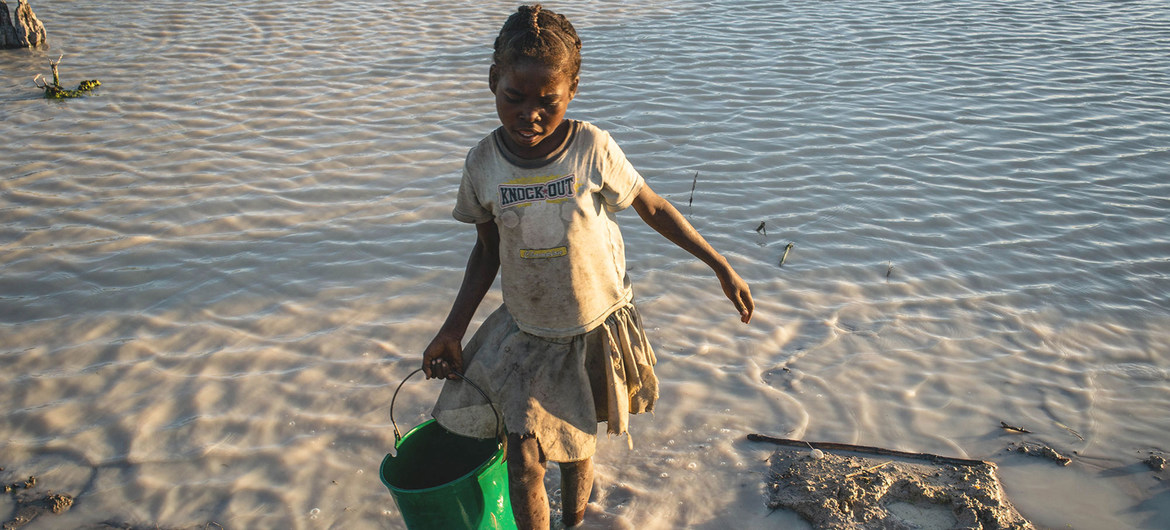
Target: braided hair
533, 33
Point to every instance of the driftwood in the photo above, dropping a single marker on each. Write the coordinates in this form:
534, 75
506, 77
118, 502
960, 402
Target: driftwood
55, 91
831, 446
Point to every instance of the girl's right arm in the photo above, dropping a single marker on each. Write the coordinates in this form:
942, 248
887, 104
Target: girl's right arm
665, 219
445, 352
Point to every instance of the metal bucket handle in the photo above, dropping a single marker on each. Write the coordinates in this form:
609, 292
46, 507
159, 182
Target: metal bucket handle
398, 435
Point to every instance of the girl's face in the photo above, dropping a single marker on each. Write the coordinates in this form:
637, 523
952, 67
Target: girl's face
531, 99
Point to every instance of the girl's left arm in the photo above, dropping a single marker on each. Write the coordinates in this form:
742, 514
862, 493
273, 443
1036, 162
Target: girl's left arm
665, 219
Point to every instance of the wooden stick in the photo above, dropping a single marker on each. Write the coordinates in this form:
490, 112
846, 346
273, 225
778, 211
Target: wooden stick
785, 256
53, 65
1013, 428
867, 449
868, 469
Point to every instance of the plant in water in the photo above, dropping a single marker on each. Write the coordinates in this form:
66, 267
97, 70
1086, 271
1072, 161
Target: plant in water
55, 91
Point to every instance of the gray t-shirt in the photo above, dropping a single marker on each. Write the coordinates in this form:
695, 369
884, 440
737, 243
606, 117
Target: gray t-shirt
562, 260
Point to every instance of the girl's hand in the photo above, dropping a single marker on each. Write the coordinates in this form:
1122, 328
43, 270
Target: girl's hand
738, 292
443, 357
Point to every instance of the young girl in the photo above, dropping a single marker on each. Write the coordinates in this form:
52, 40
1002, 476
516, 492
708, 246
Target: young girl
567, 348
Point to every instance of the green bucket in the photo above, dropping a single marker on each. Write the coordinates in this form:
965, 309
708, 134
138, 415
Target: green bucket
442, 480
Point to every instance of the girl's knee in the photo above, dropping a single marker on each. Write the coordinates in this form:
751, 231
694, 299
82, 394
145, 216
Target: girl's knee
588, 462
525, 456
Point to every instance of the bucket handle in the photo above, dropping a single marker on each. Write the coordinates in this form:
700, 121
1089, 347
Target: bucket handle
398, 435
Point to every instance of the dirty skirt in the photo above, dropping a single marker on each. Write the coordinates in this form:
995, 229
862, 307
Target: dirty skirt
556, 389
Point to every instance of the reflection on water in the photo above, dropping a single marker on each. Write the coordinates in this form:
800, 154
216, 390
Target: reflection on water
203, 264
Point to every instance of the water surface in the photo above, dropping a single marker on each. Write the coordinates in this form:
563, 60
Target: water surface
215, 270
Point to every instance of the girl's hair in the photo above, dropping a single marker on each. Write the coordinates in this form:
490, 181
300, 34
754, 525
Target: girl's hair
535, 34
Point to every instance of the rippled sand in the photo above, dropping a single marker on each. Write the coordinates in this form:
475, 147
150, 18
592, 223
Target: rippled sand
203, 264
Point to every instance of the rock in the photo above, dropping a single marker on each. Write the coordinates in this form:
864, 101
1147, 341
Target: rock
29, 31
29, 505
1041, 450
24, 31
1156, 463
28, 509
7, 30
58, 503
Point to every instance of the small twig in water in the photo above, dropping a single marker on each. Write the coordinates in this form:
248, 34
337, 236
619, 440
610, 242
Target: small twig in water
1070, 430
1013, 428
693, 184
785, 256
889, 269
53, 65
761, 228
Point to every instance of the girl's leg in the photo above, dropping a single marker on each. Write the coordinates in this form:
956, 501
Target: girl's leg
576, 484
526, 465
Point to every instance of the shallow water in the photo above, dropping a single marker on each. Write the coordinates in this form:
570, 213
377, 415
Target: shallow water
205, 265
